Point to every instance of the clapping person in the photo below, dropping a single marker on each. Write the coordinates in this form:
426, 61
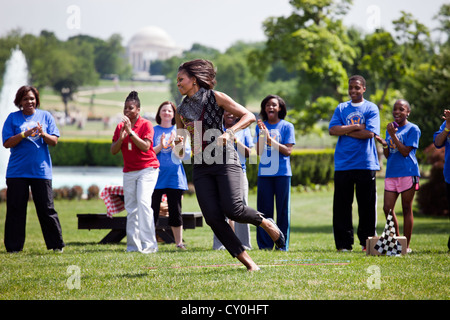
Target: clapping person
27, 133
172, 178
441, 139
402, 169
275, 138
134, 138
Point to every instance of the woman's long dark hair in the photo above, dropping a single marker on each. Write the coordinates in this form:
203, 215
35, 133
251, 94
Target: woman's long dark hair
202, 70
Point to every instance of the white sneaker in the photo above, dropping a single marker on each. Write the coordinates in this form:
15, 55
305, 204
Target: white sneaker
149, 250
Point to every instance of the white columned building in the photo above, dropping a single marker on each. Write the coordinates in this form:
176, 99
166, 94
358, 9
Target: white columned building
147, 45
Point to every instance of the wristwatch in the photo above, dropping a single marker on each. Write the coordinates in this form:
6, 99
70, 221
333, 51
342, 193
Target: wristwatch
131, 134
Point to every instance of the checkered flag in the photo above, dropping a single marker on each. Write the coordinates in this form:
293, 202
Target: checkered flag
388, 244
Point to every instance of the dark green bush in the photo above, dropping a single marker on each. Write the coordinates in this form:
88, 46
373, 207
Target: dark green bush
431, 197
309, 167
73, 152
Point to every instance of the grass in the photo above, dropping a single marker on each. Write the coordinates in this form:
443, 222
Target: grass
311, 270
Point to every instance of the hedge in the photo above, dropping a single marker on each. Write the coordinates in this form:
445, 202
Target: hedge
78, 152
309, 166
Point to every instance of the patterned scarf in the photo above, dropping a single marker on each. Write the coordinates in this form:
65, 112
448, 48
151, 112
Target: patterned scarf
191, 108
202, 106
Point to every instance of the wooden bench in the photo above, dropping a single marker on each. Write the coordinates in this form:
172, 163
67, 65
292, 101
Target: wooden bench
89, 221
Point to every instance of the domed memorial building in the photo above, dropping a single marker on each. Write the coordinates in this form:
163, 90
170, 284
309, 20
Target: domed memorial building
147, 45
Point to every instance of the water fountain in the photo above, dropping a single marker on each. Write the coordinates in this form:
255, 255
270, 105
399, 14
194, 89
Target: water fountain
16, 75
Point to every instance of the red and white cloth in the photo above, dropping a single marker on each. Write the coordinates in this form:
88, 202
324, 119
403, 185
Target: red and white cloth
113, 201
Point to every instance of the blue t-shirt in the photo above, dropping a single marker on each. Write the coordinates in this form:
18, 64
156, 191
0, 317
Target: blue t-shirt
352, 153
398, 165
30, 158
447, 152
171, 170
275, 163
245, 137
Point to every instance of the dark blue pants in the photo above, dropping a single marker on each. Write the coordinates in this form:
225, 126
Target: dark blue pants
17, 194
269, 188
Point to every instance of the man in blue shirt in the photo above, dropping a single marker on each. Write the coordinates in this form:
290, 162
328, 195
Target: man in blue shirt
356, 123
441, 139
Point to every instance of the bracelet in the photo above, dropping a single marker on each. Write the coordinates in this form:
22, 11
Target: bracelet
131, 134
446, 130
385, 147
23, 134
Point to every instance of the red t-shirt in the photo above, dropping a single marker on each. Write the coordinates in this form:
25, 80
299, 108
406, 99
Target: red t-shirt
134, 158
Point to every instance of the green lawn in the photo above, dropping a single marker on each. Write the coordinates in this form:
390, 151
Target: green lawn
311, 270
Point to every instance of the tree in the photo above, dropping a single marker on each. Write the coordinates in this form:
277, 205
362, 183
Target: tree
313, 42
427, 90
109, 55
71, 66
233, 74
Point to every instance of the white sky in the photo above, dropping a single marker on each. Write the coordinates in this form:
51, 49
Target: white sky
214, 23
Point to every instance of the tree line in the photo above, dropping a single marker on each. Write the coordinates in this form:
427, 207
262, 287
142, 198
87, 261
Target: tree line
309, 55
66, 65
306, 58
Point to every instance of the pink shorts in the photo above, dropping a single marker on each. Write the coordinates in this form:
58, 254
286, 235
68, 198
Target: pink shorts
401, 184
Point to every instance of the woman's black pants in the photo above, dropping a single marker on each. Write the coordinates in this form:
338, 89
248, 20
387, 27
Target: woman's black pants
17, 193
218, 190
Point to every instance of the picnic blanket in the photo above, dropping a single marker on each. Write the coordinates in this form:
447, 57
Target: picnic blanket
113, 198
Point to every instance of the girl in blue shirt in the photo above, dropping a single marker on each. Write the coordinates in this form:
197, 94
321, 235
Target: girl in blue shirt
275, 138
172, 178
402, 169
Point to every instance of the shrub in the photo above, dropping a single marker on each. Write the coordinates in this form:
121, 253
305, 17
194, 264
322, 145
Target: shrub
75, 152
431, 197
310, 167
93, 192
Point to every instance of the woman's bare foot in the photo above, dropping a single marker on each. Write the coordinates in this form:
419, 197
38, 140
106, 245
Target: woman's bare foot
247, 261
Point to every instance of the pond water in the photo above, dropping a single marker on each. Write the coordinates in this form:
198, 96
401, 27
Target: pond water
86, 177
